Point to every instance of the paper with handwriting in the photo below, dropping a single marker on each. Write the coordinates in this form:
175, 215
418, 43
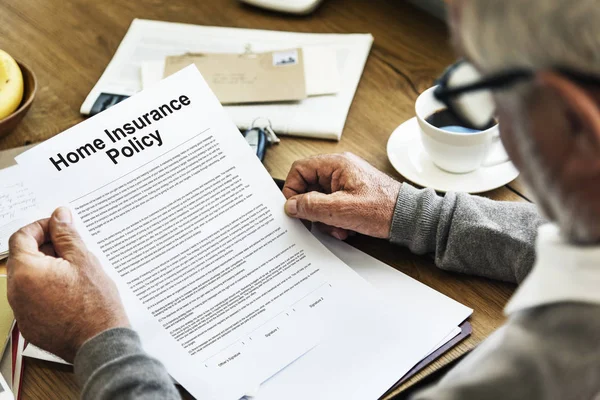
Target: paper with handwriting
18, 205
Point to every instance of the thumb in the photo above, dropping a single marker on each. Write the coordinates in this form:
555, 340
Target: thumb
65, 239
316, 207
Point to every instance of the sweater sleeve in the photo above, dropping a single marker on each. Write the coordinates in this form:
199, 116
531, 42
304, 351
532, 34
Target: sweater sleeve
113, 365
468, 234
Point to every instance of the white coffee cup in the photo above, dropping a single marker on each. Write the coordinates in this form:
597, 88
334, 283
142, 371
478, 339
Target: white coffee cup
453, 151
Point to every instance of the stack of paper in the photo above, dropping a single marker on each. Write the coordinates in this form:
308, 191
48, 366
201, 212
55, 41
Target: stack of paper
147, 43
234, 297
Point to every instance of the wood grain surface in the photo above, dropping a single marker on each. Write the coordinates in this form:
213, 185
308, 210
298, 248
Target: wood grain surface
69, 43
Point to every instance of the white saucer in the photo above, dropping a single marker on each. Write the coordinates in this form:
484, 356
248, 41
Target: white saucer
408, 157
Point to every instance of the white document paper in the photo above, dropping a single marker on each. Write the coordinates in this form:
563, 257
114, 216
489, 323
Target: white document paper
18, 366
321, 70
453, 333
330, 372
6, 370
395, 287
6, 363
221, 285
322, 116
5, 393
18, 205
32, 351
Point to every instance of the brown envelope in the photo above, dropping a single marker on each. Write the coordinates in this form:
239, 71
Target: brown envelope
248, 78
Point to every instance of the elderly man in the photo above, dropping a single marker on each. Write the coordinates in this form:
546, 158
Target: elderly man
541, 61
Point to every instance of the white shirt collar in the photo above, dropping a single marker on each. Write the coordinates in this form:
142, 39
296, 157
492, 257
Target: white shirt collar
562, 273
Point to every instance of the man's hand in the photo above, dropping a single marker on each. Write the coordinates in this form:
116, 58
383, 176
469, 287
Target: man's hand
343, 192
57, 289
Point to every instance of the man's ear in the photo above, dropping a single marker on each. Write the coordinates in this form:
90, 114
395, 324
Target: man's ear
581, 104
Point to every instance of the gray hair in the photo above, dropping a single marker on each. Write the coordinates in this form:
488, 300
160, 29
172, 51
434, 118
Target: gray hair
537, 34
540, 34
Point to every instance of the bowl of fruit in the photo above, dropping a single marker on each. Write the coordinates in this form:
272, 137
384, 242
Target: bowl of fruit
17, 90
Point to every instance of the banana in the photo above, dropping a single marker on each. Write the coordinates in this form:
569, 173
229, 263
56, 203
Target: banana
11, 85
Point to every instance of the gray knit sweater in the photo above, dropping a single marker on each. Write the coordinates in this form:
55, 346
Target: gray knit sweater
549, 352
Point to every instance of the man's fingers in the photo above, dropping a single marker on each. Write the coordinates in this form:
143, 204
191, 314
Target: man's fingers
24, 246
314, 173
65, 239
48, 249
296, 183
317, 207
338, 233
29, 238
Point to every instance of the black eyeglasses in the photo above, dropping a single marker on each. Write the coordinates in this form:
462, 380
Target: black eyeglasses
468, 96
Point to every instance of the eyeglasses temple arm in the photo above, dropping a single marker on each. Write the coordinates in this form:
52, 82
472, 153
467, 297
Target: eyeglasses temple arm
493, 82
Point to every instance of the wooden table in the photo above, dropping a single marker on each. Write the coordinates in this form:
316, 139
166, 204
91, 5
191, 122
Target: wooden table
69, 43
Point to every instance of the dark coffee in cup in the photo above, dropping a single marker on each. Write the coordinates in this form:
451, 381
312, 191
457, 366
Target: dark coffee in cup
444, 119
458, 151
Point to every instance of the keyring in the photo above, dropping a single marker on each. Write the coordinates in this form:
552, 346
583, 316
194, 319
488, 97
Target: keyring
268, 128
